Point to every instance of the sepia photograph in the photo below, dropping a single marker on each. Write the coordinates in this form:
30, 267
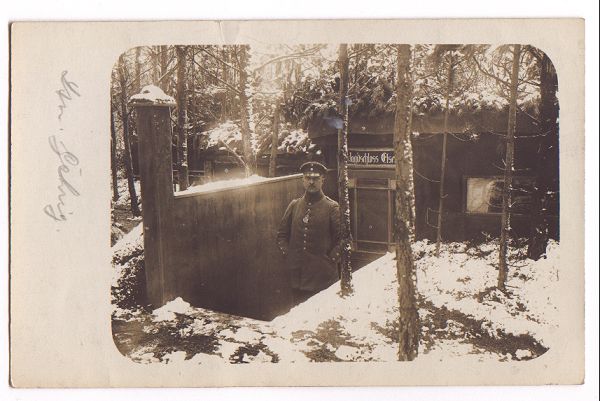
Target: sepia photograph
241, 205
350, 202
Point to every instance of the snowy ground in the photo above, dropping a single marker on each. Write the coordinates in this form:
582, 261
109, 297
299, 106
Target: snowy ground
123, 189
121, 216
462, 315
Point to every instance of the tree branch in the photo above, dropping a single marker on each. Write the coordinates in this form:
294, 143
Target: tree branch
485, 72
139, 76
229, 86
219, 60
305, 53
238, 157
169, 72
527, 81
535, 120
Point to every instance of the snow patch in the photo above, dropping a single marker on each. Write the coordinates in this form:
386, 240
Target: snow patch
207, 359
228, 348
132, 238
244, 334
260, 357
523, 353
464, 282
168, 311
175, 357
123, 190
346, 352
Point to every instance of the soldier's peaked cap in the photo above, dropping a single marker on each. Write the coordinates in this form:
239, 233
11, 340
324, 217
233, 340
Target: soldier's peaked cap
313, 169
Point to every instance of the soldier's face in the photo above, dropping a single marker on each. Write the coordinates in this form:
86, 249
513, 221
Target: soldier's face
312, 184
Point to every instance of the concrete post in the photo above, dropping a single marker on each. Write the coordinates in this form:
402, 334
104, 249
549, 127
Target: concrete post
153, 110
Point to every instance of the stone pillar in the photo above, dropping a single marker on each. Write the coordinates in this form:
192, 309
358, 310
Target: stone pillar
153, 111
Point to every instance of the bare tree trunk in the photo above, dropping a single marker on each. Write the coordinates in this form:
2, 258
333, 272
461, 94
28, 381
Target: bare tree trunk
290, 71
164, 65
182, 165
155, 65
113, 153
438, 240
408, 320
136, 88
547, 167
297, 73
127, 151
357, 56
225, 107
408, 151
274, 141
191, 81
137, 85
342, 162
245, 111
508, 170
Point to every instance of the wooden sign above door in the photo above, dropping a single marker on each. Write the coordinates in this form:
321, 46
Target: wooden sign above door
370, 158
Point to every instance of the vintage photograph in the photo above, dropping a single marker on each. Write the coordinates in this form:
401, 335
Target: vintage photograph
334, 203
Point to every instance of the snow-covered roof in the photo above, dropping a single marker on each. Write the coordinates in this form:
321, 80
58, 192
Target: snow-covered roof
152, 96
229, 133
294, 141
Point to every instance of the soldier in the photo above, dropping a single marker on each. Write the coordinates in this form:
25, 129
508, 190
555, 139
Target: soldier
309, 236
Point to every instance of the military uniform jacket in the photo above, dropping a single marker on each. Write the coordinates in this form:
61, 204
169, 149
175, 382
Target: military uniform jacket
309, 236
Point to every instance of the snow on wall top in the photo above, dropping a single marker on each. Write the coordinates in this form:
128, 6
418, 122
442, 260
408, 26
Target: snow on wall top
152, 96
223, 184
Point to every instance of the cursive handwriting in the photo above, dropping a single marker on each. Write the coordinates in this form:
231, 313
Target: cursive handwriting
67, 160
65, 94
